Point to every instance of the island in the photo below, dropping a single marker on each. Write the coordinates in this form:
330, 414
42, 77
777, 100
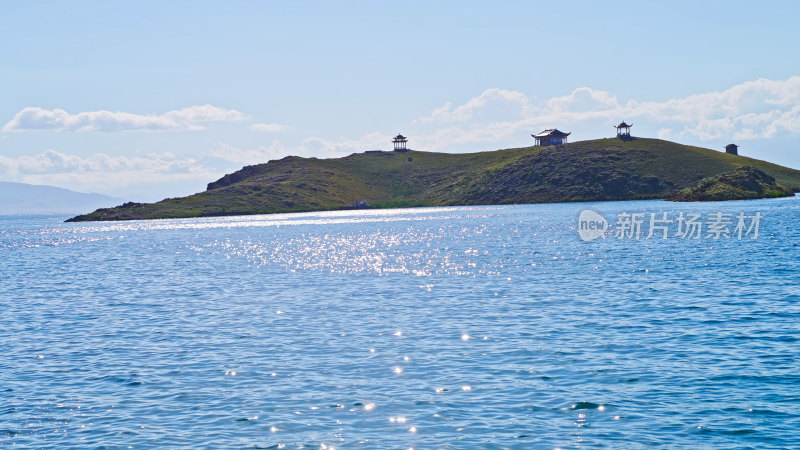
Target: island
592, 170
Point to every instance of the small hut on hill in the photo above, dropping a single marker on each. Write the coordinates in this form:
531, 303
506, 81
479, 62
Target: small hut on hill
552, 136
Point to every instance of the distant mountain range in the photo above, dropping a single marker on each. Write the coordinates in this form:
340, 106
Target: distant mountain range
21, 198
602, 169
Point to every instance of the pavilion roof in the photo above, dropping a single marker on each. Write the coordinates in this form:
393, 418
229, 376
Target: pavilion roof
553, 132
399, 137
624, 125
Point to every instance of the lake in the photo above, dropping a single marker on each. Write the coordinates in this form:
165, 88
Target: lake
463, 327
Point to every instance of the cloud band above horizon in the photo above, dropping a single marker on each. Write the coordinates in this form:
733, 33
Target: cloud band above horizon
190, 118
761, 111
754, 109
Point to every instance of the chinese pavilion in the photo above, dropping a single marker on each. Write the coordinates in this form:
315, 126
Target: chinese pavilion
399, 142
623, 130
733, 149
551, 137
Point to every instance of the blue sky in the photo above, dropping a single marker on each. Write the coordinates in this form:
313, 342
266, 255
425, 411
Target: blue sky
145, 100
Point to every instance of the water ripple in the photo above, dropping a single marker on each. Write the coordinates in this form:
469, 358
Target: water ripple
428, 328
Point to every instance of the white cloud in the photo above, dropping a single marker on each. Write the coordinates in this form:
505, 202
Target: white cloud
269, 127
51, 161
513, 100
191, 118
320, 147
582, 100
245, 157
754, 109
309, 147
101, 172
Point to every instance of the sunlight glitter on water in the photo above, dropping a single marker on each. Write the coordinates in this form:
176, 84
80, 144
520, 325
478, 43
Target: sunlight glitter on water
411, 251
323, 218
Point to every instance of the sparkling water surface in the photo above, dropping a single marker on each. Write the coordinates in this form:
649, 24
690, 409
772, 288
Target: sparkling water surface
468, 327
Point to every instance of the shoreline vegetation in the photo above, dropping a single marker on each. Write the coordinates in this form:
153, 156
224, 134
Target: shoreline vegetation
593, 170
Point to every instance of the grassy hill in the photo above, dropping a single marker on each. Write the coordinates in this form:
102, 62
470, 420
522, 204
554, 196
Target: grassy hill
602, 169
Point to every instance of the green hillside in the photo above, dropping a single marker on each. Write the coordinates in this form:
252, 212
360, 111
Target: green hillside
602, 169
741, 183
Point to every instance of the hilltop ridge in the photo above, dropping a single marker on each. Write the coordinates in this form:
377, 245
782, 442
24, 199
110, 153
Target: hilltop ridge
601, 169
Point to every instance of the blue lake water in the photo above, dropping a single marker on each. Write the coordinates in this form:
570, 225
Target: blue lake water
467, 327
